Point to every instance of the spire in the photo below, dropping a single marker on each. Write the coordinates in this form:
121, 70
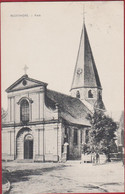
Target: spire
85, 73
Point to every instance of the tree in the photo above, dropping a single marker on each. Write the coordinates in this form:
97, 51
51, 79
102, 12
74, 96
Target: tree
102, 134
3, 112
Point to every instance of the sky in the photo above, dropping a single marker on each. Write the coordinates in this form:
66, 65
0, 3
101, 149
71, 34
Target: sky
45, 36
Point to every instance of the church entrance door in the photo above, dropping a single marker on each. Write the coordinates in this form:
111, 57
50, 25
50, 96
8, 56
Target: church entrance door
28, 147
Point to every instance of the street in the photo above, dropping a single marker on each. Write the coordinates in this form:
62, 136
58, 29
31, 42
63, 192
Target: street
69, 177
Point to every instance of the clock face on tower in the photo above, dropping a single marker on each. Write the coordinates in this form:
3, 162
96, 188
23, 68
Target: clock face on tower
79, 71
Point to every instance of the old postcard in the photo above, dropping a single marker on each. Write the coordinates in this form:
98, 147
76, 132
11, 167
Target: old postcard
62, 67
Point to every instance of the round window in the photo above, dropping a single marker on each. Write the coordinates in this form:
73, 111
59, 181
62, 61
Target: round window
24, 82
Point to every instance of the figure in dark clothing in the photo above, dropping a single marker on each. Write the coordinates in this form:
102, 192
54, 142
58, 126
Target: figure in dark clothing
97, 158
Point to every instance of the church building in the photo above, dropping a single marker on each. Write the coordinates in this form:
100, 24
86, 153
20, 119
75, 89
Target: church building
45, 125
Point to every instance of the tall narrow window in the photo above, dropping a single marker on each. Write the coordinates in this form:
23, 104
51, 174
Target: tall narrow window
24, 111
75, 137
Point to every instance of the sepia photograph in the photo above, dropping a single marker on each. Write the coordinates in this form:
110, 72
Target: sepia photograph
62, 109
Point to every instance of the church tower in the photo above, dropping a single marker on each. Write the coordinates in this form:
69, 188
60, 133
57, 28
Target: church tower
86, 84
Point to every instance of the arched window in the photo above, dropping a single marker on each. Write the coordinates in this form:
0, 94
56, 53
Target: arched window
90, 95
24, 111
77, 94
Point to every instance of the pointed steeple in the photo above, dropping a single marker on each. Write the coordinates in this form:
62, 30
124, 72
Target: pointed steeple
85, 74
86, 84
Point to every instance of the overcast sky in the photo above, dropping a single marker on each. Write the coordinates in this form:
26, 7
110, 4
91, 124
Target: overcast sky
47, 38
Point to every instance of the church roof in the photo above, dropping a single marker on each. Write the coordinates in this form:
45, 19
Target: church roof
25, 82
85, 74
71, 109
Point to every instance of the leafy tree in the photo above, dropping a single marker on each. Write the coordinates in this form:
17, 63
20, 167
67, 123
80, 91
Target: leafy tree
102, 134
3, 112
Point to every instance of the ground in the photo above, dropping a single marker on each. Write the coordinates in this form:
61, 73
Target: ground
69, 177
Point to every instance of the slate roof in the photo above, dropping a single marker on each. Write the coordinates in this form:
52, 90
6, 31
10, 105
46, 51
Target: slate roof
71, 109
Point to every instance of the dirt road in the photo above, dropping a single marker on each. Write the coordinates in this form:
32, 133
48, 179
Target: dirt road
70, 177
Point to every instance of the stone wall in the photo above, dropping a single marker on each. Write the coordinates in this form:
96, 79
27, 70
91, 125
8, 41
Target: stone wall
46, 142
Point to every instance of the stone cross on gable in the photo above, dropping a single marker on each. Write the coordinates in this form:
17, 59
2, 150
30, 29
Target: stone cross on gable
25, 69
